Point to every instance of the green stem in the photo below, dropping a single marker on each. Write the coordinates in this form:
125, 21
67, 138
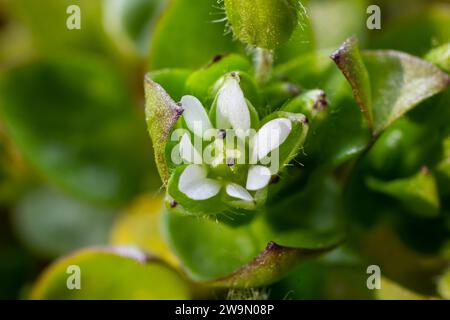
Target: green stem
263, 60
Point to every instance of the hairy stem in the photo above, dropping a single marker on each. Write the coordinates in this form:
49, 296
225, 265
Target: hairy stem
263, 60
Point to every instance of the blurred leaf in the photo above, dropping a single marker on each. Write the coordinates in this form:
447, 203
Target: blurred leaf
440, 56
415, 79
235, 256
412, 270
139, 226
50, 34
444, 285
114, 274
74, 122
392, 291
418, 193
186, 35
418, 32
161, 115
129, 23
52, 224
334, 21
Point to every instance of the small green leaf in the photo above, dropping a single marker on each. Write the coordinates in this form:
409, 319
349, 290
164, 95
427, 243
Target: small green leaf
349, 60
118, 273
415, 80
311, 103
52, 224
186, 35
418, 193
263, 23
162, 113
440, 56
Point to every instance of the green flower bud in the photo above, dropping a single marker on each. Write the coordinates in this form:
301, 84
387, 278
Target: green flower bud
263, 23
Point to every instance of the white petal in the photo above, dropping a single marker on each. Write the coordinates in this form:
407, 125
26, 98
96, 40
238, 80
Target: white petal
187, 151
195, 115
236, 191
195, 185
232, 110
258, 178
270, 137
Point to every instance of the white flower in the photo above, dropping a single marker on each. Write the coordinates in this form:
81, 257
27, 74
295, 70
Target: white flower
199, 181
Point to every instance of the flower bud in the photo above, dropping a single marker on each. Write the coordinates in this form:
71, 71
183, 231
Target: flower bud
263, 23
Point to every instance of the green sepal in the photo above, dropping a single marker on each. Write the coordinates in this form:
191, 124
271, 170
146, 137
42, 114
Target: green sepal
162, 113
189, 206
296, 139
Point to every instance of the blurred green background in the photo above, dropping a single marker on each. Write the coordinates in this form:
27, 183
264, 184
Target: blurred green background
75, 157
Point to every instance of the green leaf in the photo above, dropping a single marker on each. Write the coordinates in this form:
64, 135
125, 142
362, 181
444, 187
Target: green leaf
349, 60
275, 262
418, 193
162, 113
73, 121
263, 23
241, 256
111, 274
53, 224
415, 79
186, 35
440, 56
